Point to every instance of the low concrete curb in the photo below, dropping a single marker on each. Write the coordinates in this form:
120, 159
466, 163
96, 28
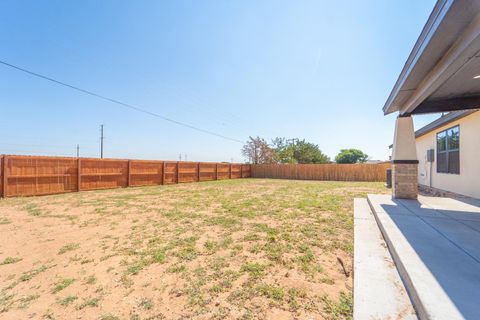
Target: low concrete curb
378, 290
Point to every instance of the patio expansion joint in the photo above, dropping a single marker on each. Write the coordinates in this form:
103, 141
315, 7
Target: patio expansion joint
462, 221
446, 216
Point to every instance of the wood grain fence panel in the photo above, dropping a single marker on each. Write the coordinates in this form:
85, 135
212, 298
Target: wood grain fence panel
187, 172
327, 172
1, 176
246, 170
170, 172
38, 175
5, 176
177, 173
3, 180
223, 170
207, 171
79, 176
236, 171
103, 174
145, 173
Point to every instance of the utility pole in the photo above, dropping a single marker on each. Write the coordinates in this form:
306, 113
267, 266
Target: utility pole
101, 141
78, 150
185, 157
180, 157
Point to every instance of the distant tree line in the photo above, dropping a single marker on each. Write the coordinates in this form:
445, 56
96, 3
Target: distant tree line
281, 150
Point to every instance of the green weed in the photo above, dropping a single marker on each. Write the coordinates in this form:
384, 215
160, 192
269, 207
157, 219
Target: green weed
32, 273
68, 247
68, 300
271, 291
342, 309
10, 260
59, 286
254, 269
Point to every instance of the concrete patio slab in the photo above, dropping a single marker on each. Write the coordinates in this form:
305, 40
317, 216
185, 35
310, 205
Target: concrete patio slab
378, 290
437, 254
459, 233
465, 209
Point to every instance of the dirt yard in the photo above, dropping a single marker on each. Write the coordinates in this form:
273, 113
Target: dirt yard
232, 249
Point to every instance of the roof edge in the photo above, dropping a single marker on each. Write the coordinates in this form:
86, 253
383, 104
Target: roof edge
437, 15
442, 121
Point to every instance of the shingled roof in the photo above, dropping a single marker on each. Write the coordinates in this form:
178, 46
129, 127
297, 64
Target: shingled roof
443, 120
440, 122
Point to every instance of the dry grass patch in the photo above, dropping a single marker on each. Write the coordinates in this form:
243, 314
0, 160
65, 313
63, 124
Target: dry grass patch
232, 249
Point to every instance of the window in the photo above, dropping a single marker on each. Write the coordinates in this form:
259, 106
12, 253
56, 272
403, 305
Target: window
448, 151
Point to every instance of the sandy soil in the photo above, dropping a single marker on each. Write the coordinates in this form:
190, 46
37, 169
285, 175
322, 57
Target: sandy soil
237, 249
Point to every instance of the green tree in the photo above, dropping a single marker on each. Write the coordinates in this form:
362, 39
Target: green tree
351, 156
283, 150
307, 152
297, 151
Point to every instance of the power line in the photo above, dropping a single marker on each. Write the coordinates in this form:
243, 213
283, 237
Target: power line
119, 102
197, 100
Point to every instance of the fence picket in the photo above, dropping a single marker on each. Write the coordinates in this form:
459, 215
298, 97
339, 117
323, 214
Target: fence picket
332, 172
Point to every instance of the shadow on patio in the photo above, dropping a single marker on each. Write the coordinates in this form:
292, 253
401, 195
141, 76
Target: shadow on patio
435, 243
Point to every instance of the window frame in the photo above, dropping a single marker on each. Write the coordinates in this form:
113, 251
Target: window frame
447, 149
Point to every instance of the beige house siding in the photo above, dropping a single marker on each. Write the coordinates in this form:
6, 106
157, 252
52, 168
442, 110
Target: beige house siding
468, 181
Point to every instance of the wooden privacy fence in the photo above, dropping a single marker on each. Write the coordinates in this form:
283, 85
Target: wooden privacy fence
331, 172
37, 175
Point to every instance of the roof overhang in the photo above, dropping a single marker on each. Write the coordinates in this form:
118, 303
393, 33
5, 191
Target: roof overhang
443, 121
440, 72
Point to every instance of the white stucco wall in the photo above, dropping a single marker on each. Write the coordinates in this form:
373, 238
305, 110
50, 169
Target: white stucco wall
468, 181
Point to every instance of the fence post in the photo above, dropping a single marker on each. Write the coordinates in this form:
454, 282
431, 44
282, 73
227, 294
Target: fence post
1, 175
241, 171
230, 171
178, 173
163, 172
5, 176
79, 174
36, 176
129, 173
216, 171
198, 171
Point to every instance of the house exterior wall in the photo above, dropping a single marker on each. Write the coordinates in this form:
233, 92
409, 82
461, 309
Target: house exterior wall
468, 181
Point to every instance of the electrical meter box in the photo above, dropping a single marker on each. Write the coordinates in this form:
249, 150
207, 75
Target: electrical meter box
430, 155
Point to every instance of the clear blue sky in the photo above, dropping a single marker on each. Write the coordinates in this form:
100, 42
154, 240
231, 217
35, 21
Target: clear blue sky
319, 70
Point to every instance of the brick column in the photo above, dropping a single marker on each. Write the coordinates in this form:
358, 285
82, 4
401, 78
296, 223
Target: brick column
404, 160
404, 180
